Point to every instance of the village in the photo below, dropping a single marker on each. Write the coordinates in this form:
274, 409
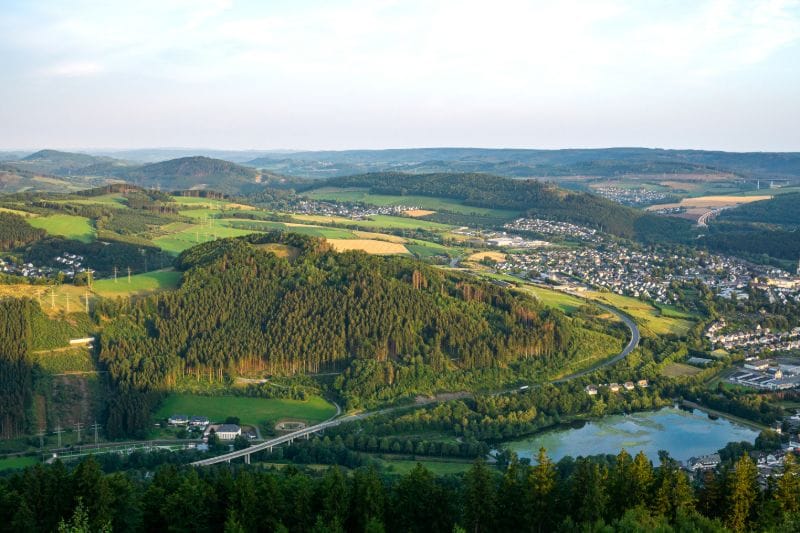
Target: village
753, 341
649, 273
356, 211
554, 228
631, 196
71, 264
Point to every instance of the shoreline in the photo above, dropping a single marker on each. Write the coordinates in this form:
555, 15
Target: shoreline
727, 416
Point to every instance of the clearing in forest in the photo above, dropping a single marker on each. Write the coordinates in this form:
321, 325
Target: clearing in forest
370, 246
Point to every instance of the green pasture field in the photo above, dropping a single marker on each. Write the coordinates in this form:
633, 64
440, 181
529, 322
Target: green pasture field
562, 301
14, 463
651, 321
138, 284
251, 411
378, 222
196, 234
69, 226
670, 311
423, 202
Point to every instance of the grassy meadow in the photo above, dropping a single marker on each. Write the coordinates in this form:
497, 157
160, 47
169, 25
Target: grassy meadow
252, 411
651, 321
138, 284
69, 226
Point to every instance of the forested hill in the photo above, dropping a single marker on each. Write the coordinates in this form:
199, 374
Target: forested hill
782, 210
242, 309
539, 199
193, 172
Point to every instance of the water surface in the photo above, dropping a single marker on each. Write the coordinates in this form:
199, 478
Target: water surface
684, 434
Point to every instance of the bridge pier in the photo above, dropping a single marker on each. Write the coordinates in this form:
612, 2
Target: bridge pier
247, 459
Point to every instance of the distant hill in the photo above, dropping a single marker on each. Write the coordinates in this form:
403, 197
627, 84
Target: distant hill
195, 172
605, 162
154, 155
52, 170
782, 210
59, 163
14, 179
531, 196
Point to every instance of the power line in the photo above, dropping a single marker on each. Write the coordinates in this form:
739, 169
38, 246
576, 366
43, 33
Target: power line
95, 427
58, 432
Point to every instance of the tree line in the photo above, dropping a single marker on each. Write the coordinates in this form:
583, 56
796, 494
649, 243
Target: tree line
15, 232
602, 494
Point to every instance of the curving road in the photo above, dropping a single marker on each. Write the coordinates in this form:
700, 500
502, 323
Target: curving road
632, 344
337, 420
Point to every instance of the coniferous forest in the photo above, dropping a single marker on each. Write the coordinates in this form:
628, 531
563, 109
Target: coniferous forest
242, 309
601, 494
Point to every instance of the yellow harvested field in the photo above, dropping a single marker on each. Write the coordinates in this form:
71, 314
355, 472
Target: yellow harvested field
418, 212
281, 250
24, 214
380, 236
710, 201
243, 207
494, 256
371, 246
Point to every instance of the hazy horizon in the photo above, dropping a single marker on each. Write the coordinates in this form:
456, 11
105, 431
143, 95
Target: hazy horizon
358, 74
101, 150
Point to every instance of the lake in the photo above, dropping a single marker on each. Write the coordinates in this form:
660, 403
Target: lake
684, 434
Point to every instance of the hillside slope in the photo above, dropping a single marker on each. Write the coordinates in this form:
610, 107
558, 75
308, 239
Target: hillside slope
59, 163
196, 172
534, 197
393, 322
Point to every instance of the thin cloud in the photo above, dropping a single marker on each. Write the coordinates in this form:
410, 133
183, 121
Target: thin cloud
74, 69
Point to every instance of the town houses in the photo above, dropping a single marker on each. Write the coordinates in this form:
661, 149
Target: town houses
754, 340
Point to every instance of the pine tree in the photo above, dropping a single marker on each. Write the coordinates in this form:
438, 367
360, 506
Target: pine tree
742, 493
641, 479
787, 490
541, 482
673, 493
479, 497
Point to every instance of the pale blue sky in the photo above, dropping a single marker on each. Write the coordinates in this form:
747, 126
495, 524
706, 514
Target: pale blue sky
382, 73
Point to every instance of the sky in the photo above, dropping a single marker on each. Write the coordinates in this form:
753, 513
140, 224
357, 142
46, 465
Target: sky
304, 74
